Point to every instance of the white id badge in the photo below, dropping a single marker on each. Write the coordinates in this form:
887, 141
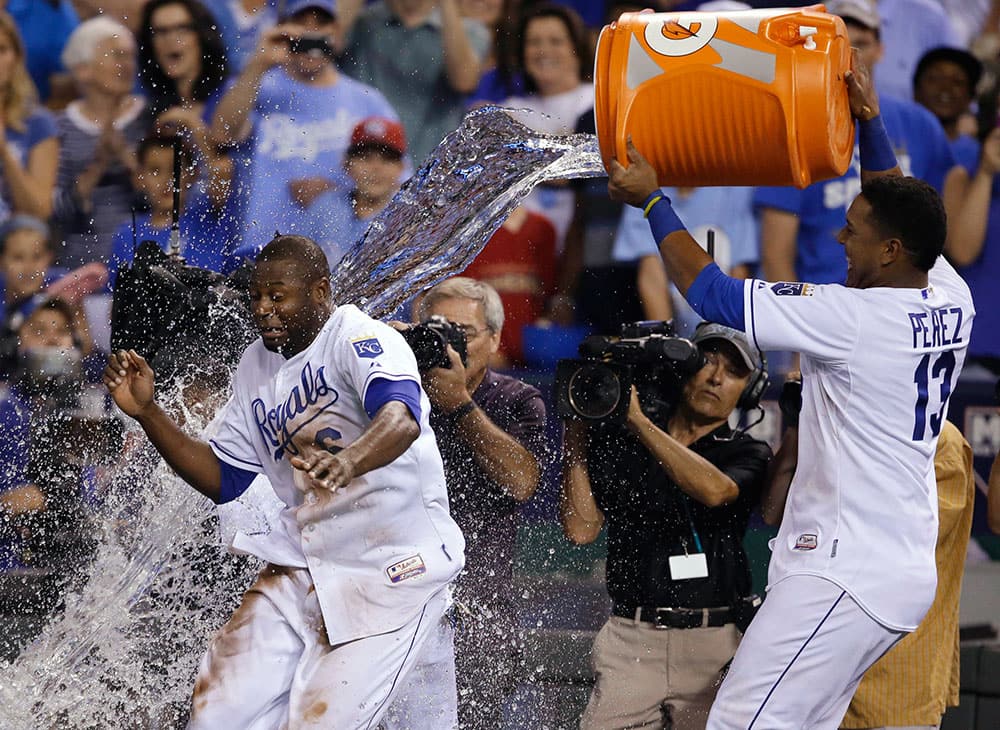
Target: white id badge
683, 567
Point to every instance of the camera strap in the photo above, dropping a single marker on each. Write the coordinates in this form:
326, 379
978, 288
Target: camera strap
694, 530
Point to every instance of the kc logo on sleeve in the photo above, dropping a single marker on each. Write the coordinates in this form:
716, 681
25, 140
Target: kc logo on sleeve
792, 289
367, 347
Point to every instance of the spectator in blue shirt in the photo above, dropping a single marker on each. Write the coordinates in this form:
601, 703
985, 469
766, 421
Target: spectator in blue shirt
945, 84
974, 248
241, 23
298, 111
27, 277
183, 68
374, 162
43, 518
205, 234
45, 26
25, 261
29, 148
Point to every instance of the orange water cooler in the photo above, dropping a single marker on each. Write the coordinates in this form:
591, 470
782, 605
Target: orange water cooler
753, 97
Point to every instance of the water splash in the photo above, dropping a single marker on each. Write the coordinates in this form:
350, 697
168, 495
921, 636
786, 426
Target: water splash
448, 210
124, 650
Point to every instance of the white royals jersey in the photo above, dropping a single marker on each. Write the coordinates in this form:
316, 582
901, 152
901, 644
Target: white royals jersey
380, 546
878, 367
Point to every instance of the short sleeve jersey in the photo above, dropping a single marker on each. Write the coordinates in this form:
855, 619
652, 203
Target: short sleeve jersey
878, 368
380, 546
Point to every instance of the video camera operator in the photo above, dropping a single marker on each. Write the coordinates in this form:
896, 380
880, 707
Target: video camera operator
490, 430
676, 491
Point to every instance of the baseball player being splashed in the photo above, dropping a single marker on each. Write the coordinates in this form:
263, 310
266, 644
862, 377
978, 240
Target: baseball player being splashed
349, 612
853, 568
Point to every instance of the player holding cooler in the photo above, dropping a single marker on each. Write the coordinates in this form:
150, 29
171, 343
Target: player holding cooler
853, 565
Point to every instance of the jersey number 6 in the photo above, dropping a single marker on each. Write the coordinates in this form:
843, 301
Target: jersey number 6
943, 368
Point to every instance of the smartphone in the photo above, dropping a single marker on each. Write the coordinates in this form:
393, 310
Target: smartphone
314, 45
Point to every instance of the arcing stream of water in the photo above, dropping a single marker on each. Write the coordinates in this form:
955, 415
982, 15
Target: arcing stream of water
123, 650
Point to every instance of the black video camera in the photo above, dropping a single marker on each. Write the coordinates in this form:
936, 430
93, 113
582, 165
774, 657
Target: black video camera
429, 341
598, 386
162, 306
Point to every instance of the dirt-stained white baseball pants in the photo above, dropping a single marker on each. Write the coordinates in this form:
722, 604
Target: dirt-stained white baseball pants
271, 667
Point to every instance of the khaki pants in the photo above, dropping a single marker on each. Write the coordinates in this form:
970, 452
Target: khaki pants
656, 678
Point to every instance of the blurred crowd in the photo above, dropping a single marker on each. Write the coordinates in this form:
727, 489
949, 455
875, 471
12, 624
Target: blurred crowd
306, 116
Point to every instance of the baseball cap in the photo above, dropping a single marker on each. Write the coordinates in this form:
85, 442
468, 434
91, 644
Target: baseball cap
22, 221
379, 132
294, 7
860, 11
712, 331
965, 60
722, 6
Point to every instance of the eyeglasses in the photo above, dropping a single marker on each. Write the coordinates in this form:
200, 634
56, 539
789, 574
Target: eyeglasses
164, 30
471, 332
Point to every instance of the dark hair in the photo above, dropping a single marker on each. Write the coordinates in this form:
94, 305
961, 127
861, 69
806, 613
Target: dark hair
969, 64
910, 210
506, 45
156, 140
54, 304
299, 249
578, 35
162, 90
25, 222
852, 23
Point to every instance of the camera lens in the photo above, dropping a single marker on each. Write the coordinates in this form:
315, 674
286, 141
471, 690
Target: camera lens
594, 391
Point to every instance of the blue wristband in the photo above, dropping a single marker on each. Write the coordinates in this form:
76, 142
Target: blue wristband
661, 216
876, 149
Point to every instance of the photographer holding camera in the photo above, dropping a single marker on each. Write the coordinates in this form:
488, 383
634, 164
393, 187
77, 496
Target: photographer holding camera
676, 491
490, 429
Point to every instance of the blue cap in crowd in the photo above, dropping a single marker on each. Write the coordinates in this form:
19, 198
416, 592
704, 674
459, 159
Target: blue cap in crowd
294, 7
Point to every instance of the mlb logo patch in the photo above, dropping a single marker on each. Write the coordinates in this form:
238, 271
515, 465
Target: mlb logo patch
410, 567
367, 347
807, 541
792, 289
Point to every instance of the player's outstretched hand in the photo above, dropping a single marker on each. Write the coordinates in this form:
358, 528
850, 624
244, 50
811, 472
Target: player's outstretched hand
860, 90
324, 470
632, 184
129, 379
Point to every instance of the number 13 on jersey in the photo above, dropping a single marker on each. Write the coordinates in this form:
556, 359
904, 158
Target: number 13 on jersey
928, 373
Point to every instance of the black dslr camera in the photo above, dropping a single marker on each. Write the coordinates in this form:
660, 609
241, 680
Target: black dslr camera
429, 341
597, 386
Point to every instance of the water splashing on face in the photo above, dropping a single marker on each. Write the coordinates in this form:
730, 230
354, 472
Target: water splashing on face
124, 650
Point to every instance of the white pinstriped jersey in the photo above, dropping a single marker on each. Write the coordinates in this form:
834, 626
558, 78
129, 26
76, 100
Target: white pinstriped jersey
878, 367
381, 546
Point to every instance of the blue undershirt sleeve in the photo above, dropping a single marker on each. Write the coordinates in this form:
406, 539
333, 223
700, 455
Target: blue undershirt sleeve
874, 146
717, 297
235, 481
383, 390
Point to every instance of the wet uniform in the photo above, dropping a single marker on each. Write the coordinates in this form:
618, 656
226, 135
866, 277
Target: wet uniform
352, 605
852, 568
